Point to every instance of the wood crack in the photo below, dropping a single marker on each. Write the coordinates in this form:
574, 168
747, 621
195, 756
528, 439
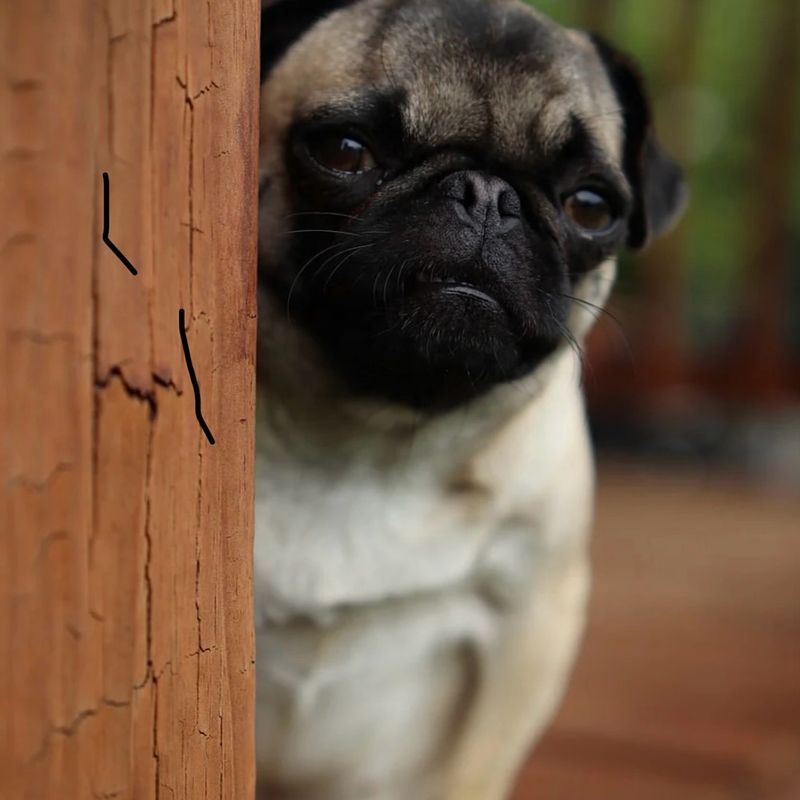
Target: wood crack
146, 396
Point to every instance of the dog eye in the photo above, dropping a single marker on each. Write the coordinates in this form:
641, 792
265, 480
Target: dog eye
341, 153
589, 210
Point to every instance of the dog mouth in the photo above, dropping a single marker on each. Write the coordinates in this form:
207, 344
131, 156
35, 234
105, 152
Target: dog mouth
452, 286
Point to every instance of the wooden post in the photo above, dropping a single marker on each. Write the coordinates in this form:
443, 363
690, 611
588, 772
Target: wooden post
126, 642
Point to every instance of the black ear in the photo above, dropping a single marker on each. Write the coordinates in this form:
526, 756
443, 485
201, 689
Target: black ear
283, 22
660, 193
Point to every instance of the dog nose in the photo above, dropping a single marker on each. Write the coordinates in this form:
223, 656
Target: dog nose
484, 200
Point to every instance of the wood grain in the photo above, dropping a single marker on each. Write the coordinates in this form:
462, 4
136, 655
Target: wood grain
126, 644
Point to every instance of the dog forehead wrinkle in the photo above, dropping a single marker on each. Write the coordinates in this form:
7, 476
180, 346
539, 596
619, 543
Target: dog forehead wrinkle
476, 72
519, 117
444, 107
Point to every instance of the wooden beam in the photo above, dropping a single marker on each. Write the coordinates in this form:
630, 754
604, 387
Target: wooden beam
126, 641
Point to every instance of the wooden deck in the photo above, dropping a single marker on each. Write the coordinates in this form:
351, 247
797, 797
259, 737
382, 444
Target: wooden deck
688, 686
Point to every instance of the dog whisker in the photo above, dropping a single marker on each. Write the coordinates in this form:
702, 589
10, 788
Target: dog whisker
321, 214
346, 256
598, 311
300, 274
399, 280
611, 112
326, 230
386, 284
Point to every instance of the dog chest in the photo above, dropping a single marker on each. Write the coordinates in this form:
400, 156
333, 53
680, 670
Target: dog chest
373, 696
393, 521
360, 538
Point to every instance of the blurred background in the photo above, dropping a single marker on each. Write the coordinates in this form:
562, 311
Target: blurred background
688, 685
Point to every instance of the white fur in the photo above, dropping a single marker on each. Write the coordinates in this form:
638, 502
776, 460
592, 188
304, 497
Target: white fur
420, 583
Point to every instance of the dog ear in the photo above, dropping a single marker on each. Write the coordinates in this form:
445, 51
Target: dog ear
283, 22
660, 194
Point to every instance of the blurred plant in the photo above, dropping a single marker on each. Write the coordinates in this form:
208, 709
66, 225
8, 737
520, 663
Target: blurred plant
714, 309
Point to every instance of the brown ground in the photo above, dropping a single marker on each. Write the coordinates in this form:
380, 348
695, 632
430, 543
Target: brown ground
688, 686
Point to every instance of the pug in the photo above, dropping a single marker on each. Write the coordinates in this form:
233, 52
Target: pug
445, 187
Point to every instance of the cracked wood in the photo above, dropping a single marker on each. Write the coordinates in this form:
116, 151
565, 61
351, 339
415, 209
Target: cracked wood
126, 649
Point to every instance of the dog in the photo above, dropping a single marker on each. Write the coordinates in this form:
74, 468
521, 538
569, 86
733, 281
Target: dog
445, 187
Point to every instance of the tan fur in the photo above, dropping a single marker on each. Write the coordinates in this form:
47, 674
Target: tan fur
420, 582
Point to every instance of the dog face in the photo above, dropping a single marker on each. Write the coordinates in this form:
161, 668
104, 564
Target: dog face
439, 178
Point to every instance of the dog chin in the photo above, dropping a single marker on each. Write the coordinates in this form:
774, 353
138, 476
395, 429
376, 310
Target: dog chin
437, 347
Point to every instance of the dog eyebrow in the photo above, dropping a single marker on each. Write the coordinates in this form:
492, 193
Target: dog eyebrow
580, 146
379, 111
573, 140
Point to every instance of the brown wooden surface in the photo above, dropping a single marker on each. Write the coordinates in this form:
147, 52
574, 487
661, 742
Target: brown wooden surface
688, 685
126, 648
